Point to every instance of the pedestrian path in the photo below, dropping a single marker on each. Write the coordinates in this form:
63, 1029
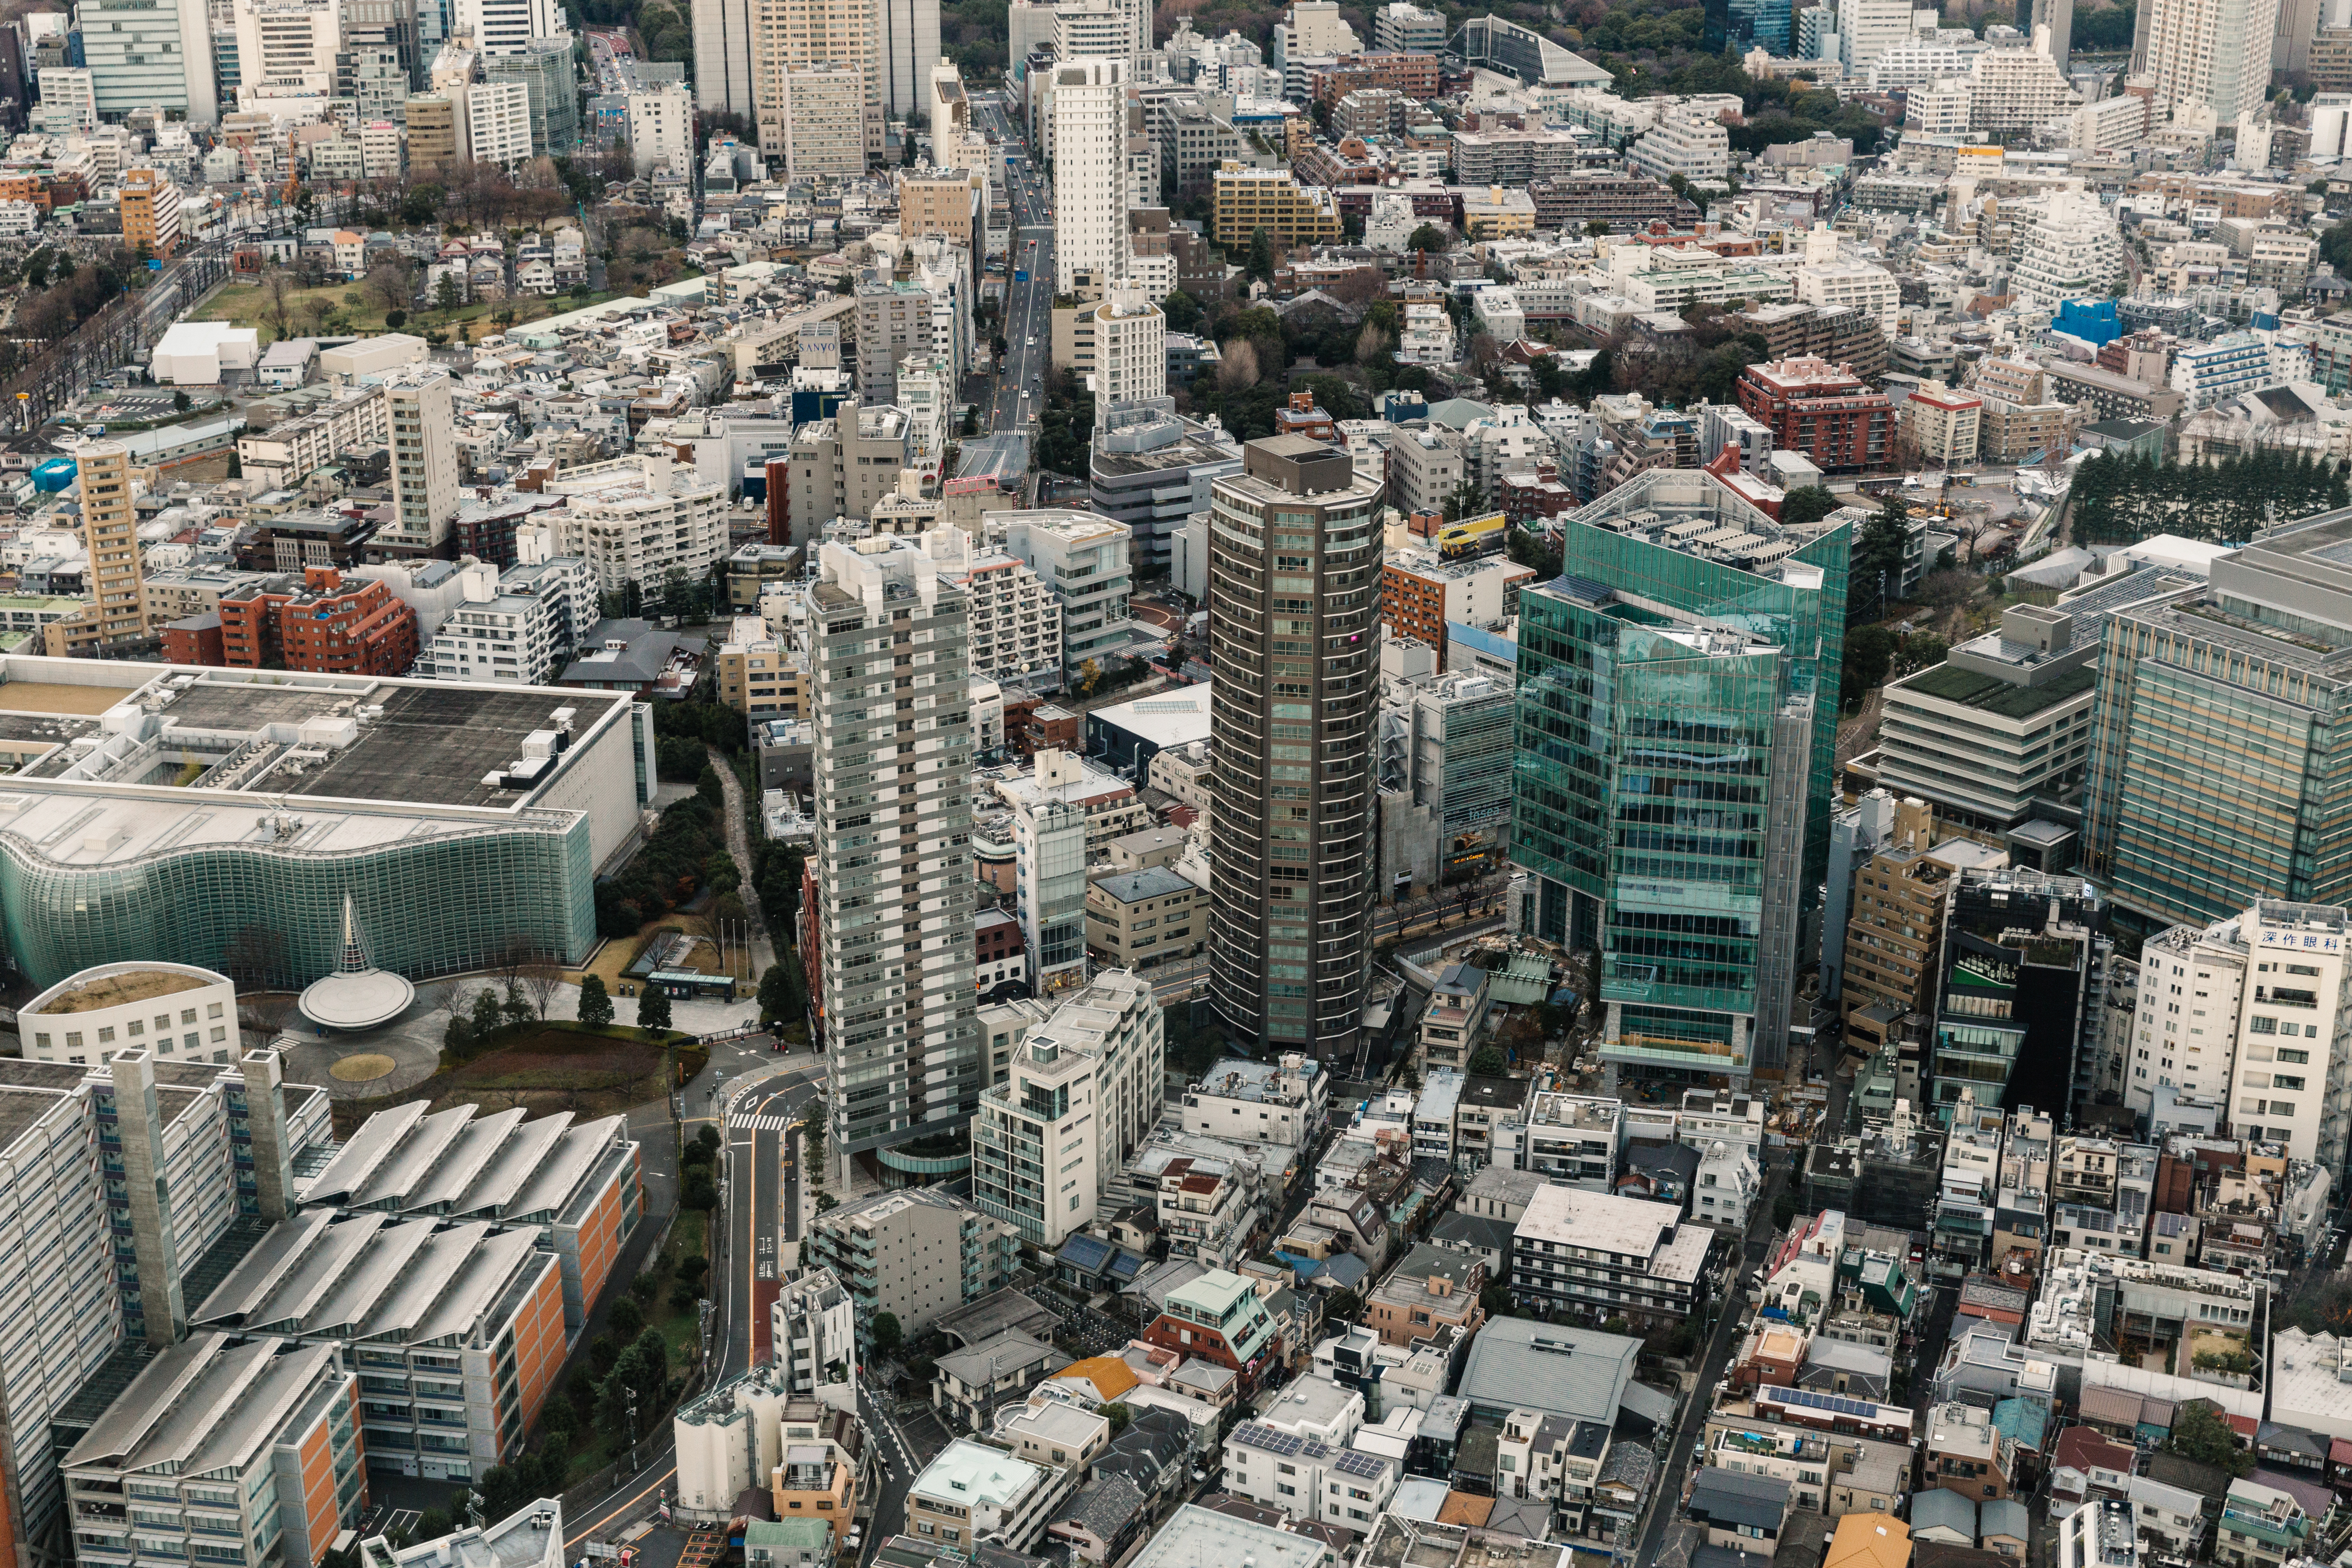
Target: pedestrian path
760, 1123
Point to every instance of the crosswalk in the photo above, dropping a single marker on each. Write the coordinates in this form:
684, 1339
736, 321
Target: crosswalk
760, 1123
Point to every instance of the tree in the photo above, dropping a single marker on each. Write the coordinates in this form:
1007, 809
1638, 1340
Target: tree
707, 785
2199, 1433
1487, 1062
1807, 503
1261, 256
431, 1525
653, 1008
181, 402
538, 981
1428, 236
1236, 365
699, 1190
1875, 572
1342, 1306
1183, 311
625, 1318
444, 293
595, 1002
886, 1332
1869, 654
784, 994
1118, 1415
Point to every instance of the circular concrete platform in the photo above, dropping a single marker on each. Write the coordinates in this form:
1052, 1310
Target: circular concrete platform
365, 1067
359, 999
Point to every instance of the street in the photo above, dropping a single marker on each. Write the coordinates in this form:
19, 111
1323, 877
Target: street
1668, 1537
1028, 318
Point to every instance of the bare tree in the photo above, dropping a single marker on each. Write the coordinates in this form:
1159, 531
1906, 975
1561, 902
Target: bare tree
540, 980
264, 1013
277, 312
389, 282
516, 954
1237, 366
1371, 344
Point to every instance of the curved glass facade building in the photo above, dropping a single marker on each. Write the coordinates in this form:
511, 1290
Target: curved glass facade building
221, 817
433, 903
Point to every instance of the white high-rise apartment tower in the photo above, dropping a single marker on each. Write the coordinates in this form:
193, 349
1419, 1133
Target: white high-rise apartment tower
2256, 1011
1868, 28
906, 41
722, 56
424, 493
792, 39
1089, 172
893, 904
287, 49
2213, 54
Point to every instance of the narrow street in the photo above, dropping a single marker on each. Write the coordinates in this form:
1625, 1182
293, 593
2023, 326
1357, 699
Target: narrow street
1668, 1537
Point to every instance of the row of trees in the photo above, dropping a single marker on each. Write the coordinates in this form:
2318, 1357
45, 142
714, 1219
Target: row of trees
2119, 501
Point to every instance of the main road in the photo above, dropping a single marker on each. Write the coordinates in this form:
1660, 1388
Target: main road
1028, 318
761, 1210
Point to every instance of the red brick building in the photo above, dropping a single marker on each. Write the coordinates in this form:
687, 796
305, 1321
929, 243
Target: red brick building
194, 640
1822, 410
1306, 418
326, 627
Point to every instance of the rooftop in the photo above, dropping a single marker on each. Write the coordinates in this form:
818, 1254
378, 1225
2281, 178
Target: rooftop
967, 1473
113, 988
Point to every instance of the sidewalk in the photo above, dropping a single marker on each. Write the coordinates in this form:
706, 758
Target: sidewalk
739, 845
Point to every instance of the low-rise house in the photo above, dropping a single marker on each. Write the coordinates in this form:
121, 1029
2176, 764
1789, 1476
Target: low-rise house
1433, 1288
972, 1493
972, 1383
1966, 1452
1744, 1513
1053, 1433
1101, 1521
2260, 1527
1456, 1015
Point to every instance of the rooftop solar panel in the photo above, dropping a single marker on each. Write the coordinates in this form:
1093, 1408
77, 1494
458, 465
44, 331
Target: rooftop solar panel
1361, 1466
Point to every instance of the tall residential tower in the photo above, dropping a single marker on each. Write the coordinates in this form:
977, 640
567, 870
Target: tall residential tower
1294, 612
1089, 172
892, 870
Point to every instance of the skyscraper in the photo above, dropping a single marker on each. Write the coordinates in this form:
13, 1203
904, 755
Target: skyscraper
2214, 53
892, 870
1676, 722
722, 56
1089, 172
1294, 604
907, 40
109, 531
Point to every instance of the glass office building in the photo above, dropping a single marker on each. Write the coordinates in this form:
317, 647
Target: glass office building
2221, 769
1675, 719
